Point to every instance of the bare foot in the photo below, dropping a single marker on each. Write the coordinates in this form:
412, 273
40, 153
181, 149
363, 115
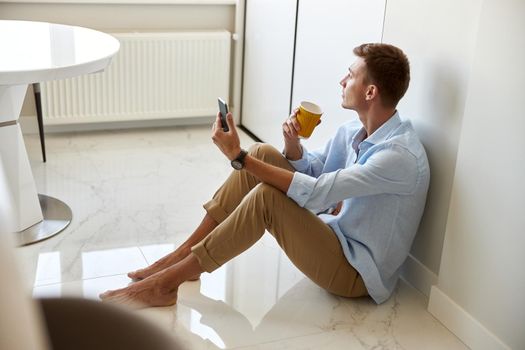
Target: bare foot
135, 279
167, 261
159, 289
146, 293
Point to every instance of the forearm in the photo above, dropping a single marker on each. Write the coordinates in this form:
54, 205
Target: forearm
270, 174
293, 151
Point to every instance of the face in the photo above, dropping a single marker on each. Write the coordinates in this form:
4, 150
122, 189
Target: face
354, 87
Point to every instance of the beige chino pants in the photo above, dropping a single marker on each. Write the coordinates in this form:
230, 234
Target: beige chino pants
244, 208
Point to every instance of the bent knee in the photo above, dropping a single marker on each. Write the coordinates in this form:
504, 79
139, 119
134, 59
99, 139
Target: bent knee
267, 193
266, 189
263, 151
267, 196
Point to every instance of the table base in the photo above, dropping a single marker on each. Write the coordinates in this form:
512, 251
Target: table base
57, 216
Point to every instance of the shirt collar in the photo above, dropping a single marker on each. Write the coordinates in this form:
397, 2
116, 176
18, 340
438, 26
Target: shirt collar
358, 138
385, 130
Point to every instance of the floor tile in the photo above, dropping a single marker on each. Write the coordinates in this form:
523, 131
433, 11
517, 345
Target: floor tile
71, 264
154, 252
98, 263
89, 288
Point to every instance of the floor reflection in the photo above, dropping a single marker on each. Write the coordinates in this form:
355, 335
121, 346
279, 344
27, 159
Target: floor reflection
204, 331
48, 268
257, 296
303, 309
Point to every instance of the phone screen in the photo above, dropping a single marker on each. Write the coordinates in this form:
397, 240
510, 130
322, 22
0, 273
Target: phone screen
223, 109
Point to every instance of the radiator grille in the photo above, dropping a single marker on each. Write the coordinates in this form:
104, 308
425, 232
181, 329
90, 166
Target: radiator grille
154, 76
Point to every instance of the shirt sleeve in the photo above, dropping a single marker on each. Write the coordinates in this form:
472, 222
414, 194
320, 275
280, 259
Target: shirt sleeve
311, 163
392, 170
301, 164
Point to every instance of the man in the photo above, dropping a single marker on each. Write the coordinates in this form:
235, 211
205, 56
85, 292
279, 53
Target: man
368, 186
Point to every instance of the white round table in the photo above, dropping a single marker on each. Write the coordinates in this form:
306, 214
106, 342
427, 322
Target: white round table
34, 52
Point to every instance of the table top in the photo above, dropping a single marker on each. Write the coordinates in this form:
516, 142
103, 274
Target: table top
39, 51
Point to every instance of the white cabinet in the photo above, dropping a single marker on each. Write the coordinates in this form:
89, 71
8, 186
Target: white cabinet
268, 58
283, 64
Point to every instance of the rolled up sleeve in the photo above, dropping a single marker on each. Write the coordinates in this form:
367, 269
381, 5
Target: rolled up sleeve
301, 188
312, 163
389, 171
301, 165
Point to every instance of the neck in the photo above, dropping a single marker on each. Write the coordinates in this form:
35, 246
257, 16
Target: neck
374, 117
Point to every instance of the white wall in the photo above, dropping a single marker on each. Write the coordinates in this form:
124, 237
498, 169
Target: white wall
483, 254
438, 37
464, 99
326, 36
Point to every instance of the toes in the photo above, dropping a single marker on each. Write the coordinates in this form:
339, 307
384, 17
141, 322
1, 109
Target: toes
126, 298
112, 293
135, 278
107, 294
135, 275
194, 278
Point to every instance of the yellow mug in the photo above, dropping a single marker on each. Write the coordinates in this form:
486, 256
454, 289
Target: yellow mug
308, 116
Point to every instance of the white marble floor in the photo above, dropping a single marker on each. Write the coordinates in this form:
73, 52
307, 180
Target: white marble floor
136, 194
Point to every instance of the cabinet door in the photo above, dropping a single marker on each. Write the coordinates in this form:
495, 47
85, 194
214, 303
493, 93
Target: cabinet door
327, 31
268, 58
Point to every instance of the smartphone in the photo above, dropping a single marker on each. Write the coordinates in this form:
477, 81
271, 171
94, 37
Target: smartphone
223, 109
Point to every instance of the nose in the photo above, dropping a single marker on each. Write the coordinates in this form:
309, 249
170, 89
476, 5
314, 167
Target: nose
343, 82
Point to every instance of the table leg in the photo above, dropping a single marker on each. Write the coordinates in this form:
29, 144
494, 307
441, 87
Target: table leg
18, 195
57, 216
38, 106
20, 198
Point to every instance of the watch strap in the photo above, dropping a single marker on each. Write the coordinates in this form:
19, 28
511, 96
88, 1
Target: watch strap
242, 154
238, 162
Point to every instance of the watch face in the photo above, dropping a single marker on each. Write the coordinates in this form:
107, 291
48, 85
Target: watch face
236, 164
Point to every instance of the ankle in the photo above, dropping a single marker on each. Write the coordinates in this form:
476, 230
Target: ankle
184, 250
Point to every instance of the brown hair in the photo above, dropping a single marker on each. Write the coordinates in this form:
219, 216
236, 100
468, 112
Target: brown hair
388, 68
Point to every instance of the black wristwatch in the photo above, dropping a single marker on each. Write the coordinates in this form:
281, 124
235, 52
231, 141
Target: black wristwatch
238, 162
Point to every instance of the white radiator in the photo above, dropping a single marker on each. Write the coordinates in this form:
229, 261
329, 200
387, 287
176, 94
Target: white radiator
154, 76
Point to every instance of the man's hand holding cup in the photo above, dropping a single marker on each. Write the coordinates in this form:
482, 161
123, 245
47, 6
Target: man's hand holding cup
300, 125
291, 128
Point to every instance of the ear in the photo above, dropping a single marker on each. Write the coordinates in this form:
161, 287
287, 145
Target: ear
371, 92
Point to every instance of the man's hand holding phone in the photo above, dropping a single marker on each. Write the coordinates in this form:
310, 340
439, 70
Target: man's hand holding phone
225, 134
223, 111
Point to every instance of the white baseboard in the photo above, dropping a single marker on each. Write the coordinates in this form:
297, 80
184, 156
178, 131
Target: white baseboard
29, 124
418, 275
461, 323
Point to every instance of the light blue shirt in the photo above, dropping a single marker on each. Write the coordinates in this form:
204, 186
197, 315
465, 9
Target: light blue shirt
382, 181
